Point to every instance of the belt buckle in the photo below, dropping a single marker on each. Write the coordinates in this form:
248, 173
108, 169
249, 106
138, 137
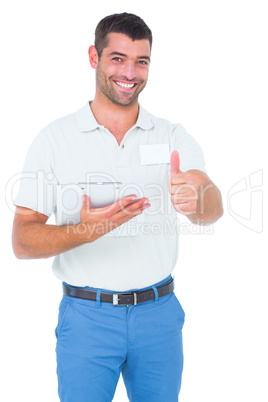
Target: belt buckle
116, 297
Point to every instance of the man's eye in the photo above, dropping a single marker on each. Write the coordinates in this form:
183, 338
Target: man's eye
117, 59
143, 62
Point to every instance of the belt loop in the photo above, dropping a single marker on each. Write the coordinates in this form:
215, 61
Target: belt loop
98, 303
155, 294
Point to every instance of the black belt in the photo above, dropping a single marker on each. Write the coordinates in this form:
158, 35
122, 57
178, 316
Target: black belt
119, 299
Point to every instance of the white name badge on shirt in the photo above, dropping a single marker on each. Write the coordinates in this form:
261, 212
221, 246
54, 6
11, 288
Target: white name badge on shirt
152, 154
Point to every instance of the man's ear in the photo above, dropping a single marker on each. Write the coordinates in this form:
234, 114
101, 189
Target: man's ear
93, 56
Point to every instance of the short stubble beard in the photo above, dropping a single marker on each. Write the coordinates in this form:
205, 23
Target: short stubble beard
107, 90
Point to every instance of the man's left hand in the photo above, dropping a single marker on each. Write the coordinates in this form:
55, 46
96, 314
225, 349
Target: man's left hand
182, 187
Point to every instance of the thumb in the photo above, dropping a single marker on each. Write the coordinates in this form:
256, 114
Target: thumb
175, 163
86, 203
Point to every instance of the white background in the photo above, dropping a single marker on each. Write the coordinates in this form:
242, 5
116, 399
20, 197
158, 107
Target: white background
208, 72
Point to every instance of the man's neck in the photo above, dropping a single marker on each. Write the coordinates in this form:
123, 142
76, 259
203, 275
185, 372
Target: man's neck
117, 119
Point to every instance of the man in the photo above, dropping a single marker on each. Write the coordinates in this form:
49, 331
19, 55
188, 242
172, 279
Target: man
119, 312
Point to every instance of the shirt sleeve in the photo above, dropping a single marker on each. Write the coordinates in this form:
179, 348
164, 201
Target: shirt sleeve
37, 189
190, 152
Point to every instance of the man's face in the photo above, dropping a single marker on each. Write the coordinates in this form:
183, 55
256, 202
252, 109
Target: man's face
122, 71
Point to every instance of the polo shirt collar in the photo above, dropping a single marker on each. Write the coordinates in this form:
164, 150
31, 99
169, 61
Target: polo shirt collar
85, 119
87, 122
144, 119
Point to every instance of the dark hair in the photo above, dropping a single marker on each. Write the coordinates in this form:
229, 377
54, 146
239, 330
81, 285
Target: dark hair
125, 23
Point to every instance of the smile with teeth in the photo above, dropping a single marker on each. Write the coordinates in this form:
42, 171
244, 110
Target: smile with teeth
123, 85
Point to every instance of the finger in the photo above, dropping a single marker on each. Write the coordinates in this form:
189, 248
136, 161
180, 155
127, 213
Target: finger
186, 179
186, 208
175, 163
183, 189
131, 210
111, 209
121, 219
181, 198
86, 203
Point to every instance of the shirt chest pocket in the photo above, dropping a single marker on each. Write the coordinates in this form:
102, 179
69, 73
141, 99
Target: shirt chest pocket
154, 154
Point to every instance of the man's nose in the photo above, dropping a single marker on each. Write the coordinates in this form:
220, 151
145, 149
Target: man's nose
129, 70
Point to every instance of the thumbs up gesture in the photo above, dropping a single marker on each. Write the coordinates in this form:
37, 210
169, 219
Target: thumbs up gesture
182, 187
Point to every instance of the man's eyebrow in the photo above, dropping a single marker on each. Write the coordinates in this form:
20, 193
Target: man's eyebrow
124, 55
117, 54
145, 57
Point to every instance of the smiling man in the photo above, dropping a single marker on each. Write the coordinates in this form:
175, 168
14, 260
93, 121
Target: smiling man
122, 69
127, 69
119, 313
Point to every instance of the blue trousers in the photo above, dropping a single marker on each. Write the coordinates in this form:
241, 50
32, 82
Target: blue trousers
98, 341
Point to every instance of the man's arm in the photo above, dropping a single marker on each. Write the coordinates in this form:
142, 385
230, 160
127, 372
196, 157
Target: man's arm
194, 194
33, 238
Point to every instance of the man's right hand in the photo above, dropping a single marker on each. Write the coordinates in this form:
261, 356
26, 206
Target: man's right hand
33, 238
99, 221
